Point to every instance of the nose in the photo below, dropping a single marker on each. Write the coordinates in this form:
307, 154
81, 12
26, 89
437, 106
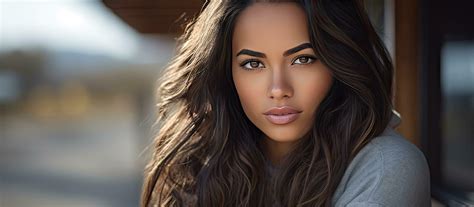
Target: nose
280, 87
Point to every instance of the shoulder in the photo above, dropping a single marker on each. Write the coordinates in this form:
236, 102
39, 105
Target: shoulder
388, 171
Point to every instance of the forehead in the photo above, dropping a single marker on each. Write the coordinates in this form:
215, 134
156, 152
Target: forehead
274, 26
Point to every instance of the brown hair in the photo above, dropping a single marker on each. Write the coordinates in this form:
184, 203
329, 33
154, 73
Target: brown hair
207, 152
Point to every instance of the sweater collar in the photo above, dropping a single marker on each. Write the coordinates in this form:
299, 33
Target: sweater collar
395, 120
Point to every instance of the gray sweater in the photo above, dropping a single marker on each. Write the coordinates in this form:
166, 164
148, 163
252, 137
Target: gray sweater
388, 171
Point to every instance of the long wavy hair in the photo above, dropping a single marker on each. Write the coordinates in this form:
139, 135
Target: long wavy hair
207, 151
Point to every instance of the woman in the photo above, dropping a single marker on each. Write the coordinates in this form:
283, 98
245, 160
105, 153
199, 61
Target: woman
282, 103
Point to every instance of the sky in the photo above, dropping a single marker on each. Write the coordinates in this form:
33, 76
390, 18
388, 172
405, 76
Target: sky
70, 25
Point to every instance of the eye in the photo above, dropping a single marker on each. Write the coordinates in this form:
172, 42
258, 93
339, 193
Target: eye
303, 60
252, 64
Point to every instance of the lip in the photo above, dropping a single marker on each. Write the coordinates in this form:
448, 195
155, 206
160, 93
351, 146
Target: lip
282, 115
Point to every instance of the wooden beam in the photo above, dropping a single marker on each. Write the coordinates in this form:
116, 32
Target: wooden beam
155, 16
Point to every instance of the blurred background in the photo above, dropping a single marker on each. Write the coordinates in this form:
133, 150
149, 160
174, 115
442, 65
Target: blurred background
77, 95
78, 79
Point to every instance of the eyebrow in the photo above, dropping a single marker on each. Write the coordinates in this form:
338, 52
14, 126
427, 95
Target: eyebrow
286, 53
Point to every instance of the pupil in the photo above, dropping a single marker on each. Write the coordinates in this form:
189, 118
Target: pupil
254, 64
303, 59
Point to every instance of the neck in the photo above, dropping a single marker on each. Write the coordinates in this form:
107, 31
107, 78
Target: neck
275, 151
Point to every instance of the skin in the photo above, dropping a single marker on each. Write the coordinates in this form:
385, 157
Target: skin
298, 80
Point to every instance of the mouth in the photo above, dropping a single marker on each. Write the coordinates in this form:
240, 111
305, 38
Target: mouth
282, 115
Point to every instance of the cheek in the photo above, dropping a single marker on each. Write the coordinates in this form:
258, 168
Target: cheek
314, 87
249, 91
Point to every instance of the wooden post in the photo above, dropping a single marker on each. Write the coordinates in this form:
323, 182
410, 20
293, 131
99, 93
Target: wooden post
407, 68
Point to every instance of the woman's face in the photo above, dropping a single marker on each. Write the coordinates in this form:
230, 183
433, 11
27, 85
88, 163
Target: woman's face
274, 67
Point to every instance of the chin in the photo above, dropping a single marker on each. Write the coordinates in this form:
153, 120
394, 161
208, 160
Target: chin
283, 136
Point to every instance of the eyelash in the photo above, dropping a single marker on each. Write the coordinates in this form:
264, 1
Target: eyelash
311, 60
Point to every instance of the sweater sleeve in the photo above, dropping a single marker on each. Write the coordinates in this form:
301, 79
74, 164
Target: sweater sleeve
389, 171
